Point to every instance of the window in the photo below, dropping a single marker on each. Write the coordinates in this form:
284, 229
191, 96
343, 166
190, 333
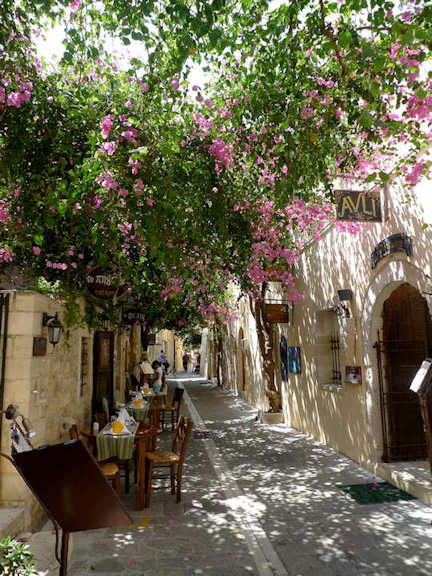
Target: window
328, 349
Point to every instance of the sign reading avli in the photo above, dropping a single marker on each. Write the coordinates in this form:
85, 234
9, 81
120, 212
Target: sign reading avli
359, 206
102, 284
394, 243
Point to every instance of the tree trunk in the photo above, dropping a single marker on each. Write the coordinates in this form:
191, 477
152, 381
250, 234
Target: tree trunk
265, 334
145, 333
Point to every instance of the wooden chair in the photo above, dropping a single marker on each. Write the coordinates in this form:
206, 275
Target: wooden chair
110, 470
174, 460
173, 410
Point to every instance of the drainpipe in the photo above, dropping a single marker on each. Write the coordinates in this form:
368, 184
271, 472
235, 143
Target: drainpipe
4, 317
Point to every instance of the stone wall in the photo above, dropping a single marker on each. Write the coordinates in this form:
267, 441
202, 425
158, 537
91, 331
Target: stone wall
48, 389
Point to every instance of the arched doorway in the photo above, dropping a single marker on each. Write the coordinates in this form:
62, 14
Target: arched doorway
405, 341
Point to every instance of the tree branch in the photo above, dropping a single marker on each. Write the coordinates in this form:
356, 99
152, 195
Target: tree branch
327, 31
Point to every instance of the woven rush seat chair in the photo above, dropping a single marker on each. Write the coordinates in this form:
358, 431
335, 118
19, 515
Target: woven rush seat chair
173, 460
110, 470
172, 412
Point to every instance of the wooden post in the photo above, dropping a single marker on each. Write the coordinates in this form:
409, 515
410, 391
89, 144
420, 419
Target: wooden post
64, 553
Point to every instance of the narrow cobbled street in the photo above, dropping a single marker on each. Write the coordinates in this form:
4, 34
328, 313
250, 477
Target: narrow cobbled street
261, 500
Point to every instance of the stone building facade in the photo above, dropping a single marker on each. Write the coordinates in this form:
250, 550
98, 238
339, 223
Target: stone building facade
56, 386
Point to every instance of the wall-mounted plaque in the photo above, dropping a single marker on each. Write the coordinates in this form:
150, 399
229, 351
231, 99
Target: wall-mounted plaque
359, 206
102, 284
294, 359
151, 339
353, 374
395, 243
39, 346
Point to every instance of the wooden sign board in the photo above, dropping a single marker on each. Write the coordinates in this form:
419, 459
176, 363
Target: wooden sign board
71, 487
102, 284
277, 313
359, 205
152, 339
422, 383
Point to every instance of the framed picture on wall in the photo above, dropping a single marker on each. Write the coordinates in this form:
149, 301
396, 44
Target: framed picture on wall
294, 359
353, 374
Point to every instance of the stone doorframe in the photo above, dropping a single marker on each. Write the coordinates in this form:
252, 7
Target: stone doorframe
391, 276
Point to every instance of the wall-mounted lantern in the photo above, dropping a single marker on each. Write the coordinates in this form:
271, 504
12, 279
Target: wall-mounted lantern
55, 327
343, 307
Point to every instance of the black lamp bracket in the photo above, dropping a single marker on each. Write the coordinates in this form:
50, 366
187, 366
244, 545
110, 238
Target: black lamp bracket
46, 318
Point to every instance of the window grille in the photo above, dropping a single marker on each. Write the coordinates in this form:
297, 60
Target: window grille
84, 365
335, 349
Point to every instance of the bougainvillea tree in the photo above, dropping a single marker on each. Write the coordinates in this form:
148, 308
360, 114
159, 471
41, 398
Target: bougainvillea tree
185, 190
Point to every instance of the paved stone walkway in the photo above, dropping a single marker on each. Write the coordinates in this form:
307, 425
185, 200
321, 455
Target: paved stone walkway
259, 500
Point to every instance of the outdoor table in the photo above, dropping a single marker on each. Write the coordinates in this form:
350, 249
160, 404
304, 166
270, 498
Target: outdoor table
110, 445
140, 414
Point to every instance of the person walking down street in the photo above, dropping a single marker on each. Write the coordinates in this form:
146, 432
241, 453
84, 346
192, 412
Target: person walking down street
163, 361
185, 361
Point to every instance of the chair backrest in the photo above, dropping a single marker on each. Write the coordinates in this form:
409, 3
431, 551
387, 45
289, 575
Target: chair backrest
154, 417
73, 432
105, 407
177, 397
101, 419
182, 436
134, 381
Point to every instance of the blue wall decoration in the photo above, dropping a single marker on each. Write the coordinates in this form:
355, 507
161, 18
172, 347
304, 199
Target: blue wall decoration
294, 360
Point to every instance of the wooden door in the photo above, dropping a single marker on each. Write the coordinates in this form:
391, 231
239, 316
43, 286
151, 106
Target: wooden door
103, 360
407, 341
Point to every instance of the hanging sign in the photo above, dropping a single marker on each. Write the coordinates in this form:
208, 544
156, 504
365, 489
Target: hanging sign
277, 313
394, 243
102, 284
359, 206
133, 316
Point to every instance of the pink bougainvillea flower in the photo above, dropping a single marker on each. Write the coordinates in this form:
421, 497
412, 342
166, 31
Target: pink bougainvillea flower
106, 126
175, 83
73, 6
36, 250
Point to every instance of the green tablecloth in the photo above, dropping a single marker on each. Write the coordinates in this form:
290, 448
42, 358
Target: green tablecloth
116, 445
139, 413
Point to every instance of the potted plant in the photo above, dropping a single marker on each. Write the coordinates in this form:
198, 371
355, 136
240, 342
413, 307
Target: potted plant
15, 558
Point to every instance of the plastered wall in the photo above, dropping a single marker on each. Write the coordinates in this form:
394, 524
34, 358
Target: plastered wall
346, 417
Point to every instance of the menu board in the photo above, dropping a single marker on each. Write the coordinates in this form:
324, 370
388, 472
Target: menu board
423, 379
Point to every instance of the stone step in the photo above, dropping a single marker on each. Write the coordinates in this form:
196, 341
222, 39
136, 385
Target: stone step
11, 521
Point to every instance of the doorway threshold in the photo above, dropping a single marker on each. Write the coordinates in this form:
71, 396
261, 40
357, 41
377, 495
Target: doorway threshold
414, 477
